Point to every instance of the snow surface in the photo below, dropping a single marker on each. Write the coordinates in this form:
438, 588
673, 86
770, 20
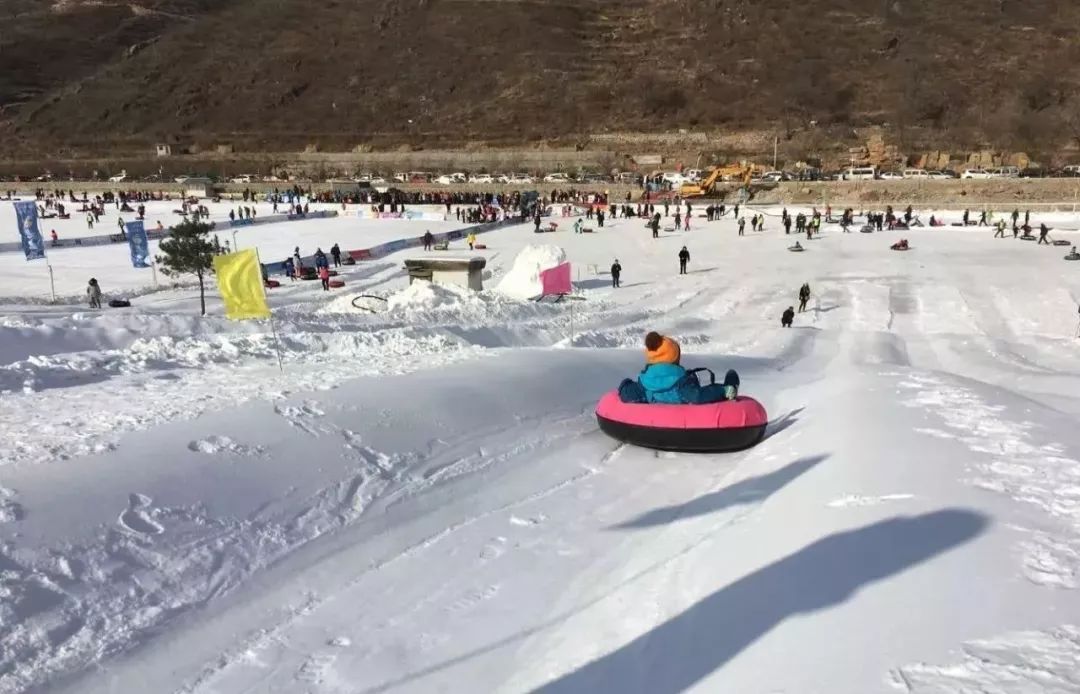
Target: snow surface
422, 500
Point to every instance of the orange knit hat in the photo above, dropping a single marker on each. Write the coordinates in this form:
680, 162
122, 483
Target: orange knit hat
661, 350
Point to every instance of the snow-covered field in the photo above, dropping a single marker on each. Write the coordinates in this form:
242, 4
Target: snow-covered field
422, 501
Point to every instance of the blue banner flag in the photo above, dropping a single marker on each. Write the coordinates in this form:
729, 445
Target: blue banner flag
138, 243
26, 216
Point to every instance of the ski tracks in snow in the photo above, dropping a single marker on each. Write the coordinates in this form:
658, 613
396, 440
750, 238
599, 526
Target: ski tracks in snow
1034, 662
1010, 463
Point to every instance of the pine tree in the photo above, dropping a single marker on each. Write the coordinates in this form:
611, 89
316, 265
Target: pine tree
188, 251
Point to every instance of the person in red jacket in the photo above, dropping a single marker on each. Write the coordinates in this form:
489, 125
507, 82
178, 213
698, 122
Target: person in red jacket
324, 275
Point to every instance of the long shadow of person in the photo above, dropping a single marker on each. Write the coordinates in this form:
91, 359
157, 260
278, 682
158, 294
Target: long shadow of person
688, 647
748, 491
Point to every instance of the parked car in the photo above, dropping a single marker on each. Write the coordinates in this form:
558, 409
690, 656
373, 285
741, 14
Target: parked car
557, 178
859, 173
482, 178
920, 174
942, 175
242, 178
976, 174
628, 178
1070, 171
594, 178
775, 176
891, 176
118, 178
520, 178
451, 179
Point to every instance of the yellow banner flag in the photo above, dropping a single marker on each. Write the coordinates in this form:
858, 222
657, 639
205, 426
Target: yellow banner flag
241, 284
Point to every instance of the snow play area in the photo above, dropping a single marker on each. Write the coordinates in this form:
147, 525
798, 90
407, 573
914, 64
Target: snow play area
421, 499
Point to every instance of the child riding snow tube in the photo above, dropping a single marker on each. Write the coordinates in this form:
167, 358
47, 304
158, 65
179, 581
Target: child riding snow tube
668, 408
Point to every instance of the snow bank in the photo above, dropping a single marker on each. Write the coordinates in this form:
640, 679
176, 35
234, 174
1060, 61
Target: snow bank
523, 279
429, 296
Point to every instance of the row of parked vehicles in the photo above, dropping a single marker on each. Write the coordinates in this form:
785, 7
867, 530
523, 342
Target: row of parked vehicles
668, 179
869, 173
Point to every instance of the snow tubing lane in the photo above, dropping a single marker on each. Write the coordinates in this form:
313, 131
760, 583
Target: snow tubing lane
715, 428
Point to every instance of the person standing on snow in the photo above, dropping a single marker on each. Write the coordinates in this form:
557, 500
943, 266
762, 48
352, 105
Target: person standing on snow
684, 258
298, 264
655, 224
788, 318
324, 275
93, 291
678, 220
335, 253
742, 226
804, 297
616, 271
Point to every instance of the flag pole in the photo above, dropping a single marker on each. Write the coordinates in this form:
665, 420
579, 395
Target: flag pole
52, 279
273, 327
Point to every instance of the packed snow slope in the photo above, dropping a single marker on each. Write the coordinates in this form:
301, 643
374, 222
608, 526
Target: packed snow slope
422, 500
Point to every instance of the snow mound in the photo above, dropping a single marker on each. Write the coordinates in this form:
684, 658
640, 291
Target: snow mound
212, 445
429, 296
10, 510
523, 280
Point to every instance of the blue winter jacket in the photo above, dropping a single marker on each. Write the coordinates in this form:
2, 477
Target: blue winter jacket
661, 383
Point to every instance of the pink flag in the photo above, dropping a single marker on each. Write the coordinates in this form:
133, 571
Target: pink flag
556, 280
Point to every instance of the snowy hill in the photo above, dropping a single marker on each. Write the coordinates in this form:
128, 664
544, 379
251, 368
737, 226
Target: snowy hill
423, 502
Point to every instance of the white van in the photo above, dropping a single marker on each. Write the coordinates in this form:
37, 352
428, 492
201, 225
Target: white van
916, 173
675, 179
860, 173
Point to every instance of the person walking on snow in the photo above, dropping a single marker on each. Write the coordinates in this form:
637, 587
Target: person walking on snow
804, 297
1000, 233
684, 258
616, 270
324, 275
471, 240
678, 220
93, 291
1043, 231
788, 318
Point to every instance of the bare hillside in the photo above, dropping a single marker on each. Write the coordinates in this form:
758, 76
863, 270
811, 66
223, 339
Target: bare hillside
285, 73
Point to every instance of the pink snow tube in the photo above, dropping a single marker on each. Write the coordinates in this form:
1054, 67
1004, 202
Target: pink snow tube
722, 426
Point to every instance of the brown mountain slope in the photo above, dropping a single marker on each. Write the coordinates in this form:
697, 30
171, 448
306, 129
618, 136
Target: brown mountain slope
282, 73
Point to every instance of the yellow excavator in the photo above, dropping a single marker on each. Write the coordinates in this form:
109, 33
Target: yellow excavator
741, 172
